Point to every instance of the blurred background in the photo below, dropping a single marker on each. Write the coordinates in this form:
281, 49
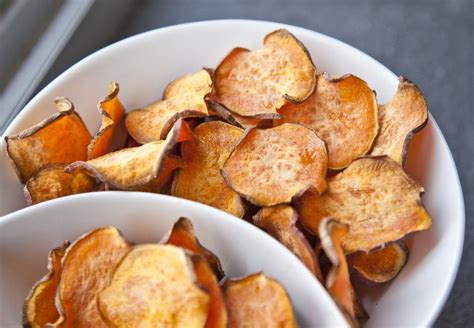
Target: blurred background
429, 41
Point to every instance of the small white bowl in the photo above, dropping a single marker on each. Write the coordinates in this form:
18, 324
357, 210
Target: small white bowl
145, 63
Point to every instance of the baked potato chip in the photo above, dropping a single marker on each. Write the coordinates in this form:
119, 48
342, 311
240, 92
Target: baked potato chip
59, 139
400, 119
161, 182
257, 83
88, 266
182, 98
378, 200
342, 112
258, 301
182, 235
52, 182
39, 308
112, 111
280, 222
232, 118
381, 265
154, 287
200, 180
273, 166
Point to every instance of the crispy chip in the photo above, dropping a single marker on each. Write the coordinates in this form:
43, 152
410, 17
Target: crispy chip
60, 139
258, 301
112, 111
232, 118
52, 182
343, 112
182, 235
379, 201
39, 308
160, 183
280, 222
154, 287
201, 180
183, 97
273, 166
88, 266
400, 119
381, 265
257, 83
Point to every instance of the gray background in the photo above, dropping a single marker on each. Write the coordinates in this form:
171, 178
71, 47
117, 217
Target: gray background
429, 41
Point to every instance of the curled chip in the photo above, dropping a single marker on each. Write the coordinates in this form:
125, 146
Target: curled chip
60, 139
131, 168
381, 265
403, 116
39, 308
112, 111
378, 200
257, 83
52, 182
280, 222
258, 301
88, 266
201, 180
182, 235
183, 97
154, 287
161, 182
232, 118
273, 166
343, 112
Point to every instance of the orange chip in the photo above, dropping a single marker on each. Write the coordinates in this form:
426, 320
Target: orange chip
343, 112
400, 119
112, 111
201, 180
273, 166
258, 301
154, 287
379, 201
257, 83
232, 118
39, 308
60, 139
160, 184
280, 222
52, 182
182, 98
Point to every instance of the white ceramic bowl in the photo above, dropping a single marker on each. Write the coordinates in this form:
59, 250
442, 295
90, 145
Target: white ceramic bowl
144, 64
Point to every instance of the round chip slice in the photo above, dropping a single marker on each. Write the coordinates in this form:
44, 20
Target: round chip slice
273, 166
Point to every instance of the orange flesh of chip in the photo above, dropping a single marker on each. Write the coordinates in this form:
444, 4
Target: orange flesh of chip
60, 139
158, 184
343, 112
257, 83
258, 301
201, 180
378, 200
112, 111
154, 287
280, 222
273, 166
39, 308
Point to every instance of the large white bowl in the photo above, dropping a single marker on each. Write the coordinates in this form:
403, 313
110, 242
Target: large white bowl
145, 63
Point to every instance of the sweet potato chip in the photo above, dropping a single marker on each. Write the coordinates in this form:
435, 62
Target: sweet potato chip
381, 265
182, 235
39, 308
400, 119
154, 287
378, 200
112, 111
257, 83
52, 182
280, 222
232, 118
273, 166
88, 266
258, 301
161, 182
60, 139
343, 112
201, 180
183, 97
